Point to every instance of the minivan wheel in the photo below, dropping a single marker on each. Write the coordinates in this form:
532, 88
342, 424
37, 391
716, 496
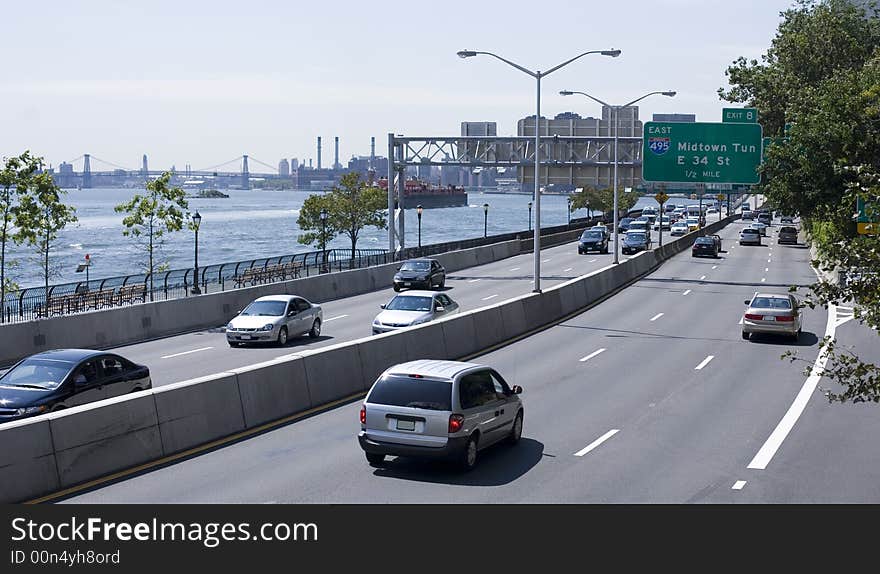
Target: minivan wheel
469, 456
375, 459
282, 336
316, 329
516, 431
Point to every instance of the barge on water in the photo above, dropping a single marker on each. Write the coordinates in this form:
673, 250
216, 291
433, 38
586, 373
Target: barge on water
416, 192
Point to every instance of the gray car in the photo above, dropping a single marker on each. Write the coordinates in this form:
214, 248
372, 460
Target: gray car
439, 409
772, 313
413, 308
274, 319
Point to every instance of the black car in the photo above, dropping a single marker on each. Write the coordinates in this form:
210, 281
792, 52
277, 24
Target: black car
623, 224
635, 241
54, 380
593, 240
420, 274
705, 246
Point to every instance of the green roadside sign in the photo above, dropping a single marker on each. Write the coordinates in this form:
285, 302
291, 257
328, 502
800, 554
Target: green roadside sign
740, 115
866, 220
701, 152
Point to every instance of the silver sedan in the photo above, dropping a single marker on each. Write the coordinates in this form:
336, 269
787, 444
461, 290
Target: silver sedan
274, 319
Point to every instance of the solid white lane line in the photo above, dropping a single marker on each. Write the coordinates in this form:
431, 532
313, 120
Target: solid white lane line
597, 442
473, 280
186, 352
591, 355
704, 363
766, 269
686, 292
336, 317
714, 267
738, 485
774, 441
657, 316
515, 269
490, 297
569, 269
763, 279
703, 277
546, 260
591, 261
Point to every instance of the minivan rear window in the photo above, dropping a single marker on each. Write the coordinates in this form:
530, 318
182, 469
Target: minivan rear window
401, 391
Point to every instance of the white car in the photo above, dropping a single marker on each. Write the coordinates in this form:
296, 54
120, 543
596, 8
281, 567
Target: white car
761, 227
679, 228
413, 308
274, 319
662, 222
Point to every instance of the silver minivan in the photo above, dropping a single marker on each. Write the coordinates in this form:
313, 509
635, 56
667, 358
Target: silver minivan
439, 409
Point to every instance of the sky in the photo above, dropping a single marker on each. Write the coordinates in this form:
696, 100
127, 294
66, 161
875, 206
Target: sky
204, 82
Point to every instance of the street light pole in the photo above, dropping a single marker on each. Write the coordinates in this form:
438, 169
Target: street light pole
537, 196
485, 219
419, 214
197, 221
616, 112
530, 216
323, 215
569, 210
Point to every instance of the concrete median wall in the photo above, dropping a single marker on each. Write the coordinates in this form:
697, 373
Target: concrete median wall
59, 450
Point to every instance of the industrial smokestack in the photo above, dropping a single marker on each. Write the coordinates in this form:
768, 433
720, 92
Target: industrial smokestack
319, 152
336, 153
372, 151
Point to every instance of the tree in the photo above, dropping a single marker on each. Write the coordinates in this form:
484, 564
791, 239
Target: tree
820, 78
603, 199
351, 206
14, 180
42, 214
151, 217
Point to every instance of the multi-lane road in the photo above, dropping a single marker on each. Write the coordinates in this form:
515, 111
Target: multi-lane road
651, 396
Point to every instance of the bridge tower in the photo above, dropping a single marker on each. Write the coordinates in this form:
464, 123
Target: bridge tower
245, 176
87, 172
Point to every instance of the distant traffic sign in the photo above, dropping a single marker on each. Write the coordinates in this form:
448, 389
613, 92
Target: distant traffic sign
740, 115
661, 197
720, 197
701, 152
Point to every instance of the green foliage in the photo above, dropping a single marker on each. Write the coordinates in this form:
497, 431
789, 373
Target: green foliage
15, 178
150, 217
821, 75
603, 200
350, 206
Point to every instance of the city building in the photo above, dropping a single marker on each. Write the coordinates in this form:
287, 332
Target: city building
283, 168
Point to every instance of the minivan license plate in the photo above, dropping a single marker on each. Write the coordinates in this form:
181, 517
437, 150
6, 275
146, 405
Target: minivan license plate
406, 425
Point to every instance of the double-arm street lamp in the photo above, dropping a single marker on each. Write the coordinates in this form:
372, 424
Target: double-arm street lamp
569, 210
196, 222
537, 75
616, 110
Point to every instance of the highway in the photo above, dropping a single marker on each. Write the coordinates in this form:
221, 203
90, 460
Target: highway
204, 352
649, 397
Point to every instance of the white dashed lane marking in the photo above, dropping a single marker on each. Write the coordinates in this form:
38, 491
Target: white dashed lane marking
591, 355
490, 297
657, 316
186, 352
704, 363
597, 442
334, 318
686, 292
738, 485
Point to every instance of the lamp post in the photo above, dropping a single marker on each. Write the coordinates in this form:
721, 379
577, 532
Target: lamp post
589, 211
323, 215
537, 75
530, 216
197, 221
616, 110
485, 219
569, 210
419, 214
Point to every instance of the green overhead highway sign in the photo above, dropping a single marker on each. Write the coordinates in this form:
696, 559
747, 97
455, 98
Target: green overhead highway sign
740, 115
700, 152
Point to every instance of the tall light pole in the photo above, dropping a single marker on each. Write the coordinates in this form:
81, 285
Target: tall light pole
616, 110
569, 210
485, 219
197, 221
537, 75
323, 216
530, 216
419, 214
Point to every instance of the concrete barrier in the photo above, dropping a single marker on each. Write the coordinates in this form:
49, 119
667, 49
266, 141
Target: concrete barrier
379, 352
27, 460
273, 390
460, 335
333, 372
104, 437
195, 412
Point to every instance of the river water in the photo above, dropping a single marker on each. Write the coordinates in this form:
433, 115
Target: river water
254, 224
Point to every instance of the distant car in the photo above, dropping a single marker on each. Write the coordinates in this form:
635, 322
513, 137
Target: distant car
786, 219
623, 224
275, 319
787, 234
635, 241
712, 211
663, 223
765, 218
439, 409
420, 274
593, 240
717, 239
413, 308
749, 236
761, 227
602, 228
639, 225
693, 223
679, 228
773, 314
748, 214
63, 378
704, 246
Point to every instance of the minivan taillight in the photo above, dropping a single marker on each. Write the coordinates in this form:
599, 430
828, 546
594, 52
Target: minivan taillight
363, 415
455, 423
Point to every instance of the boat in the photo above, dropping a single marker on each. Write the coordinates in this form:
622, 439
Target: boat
417, 192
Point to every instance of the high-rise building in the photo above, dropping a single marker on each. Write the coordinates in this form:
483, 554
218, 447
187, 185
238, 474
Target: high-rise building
294, 164
479, 129
283, 168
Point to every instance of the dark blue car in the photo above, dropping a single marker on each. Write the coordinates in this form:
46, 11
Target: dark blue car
54, 380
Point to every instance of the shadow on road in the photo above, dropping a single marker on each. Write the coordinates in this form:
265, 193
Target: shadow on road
710, 282
497, 465
807, 339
